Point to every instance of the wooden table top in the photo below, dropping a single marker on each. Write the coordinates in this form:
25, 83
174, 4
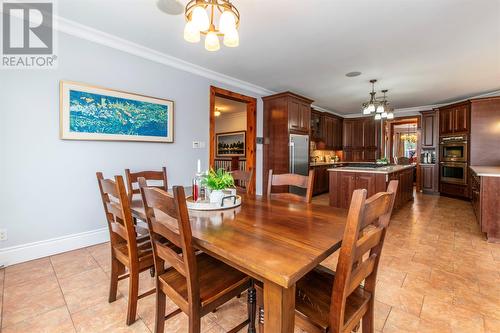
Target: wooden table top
267, 239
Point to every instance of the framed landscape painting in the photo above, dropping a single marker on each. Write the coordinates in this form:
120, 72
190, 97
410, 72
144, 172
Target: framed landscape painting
231, 144
96, 113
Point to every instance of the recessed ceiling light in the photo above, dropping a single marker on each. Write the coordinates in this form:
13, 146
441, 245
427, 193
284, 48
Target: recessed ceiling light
353, 74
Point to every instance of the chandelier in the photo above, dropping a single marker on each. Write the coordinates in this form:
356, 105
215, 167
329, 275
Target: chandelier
200, 20
409, 137
376, 105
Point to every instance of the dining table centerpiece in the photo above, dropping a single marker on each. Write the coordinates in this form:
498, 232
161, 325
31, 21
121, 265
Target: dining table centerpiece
219, 184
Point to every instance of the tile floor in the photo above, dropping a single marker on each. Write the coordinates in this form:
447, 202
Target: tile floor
437, 274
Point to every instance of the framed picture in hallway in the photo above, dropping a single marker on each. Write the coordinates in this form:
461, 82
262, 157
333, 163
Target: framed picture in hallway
96, 113
231, 144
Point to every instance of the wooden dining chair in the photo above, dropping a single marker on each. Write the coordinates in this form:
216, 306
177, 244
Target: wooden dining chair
290, 179
133, 184
130, 248
243, 180
196, 283
336, 302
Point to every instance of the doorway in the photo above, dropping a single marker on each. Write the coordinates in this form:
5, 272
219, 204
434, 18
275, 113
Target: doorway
402, 142
233, 121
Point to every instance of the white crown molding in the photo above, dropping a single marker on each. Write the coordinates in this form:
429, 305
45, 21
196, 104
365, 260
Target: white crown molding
319, 108
30, 251
416, 109
97, 36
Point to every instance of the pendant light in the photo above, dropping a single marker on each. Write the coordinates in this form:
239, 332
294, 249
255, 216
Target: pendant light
201, 19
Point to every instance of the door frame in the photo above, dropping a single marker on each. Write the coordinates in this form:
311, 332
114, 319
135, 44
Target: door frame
388, 130
251, 135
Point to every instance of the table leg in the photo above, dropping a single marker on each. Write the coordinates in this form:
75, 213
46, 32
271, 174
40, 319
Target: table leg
279, 308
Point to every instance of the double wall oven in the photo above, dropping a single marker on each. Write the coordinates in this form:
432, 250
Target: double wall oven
453, 159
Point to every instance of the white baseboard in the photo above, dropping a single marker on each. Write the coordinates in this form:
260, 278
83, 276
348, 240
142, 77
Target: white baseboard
25, 252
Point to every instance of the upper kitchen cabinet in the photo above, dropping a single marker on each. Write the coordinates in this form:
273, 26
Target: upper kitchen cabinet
429, 129
360, 137
454, 119
326, 130
316, 125
299, 113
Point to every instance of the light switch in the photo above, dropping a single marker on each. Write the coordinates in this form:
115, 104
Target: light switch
199, 144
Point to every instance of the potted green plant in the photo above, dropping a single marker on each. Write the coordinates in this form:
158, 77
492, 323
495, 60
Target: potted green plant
217, 182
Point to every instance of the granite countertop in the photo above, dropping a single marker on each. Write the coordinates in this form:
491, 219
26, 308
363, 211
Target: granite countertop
384, 170
486, 171
324, 163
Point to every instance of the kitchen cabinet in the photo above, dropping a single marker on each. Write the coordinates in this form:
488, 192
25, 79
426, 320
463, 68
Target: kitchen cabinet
485, 200
320, 179
343, 183
284, 114
429, 178
360, 137
299, 115
326, 130
454, 119
429, 129
316, 125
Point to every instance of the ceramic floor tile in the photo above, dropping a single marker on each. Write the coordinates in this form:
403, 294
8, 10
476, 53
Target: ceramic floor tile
458, 318
231, 314
85, 289
16, 309
73, 262
106, 317
401, 321
54, 321
403, 299
28, 271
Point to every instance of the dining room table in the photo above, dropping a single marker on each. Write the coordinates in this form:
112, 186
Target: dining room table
275, 242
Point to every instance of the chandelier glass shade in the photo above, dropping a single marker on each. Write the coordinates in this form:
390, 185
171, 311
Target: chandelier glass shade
201, 19
376, 105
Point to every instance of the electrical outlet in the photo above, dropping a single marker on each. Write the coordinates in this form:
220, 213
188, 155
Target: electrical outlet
3, 234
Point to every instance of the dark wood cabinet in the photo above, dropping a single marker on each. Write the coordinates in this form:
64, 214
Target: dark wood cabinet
485, 200
454, 119
316, 125
429, 130
284, 113
343, 183
326, 130
360, 137
429, 177
320, 179
299, 115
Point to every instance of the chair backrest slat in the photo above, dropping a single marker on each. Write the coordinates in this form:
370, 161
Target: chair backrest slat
365, 230
163, 210
171, 257
133, 180
243, 180
118, 213
290, 179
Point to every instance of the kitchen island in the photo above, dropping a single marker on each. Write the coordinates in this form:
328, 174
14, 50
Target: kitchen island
372, 177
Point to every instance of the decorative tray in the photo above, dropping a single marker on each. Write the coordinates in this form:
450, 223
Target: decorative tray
230, 201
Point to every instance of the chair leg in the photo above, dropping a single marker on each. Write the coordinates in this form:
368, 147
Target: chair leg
133, 294
194, 324
260, 309
368, 320
117, 269
160, 311
252, 294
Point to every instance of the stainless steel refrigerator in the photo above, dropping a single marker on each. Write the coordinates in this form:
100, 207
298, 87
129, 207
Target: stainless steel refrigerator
299, 158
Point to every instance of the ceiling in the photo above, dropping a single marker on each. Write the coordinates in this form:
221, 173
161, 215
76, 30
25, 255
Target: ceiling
228, 106
425, 52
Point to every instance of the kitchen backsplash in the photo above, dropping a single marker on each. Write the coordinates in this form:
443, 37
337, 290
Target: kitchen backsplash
324, 155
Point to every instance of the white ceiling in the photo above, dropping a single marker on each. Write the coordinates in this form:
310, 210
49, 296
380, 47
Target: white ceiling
228, 106
425, 52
